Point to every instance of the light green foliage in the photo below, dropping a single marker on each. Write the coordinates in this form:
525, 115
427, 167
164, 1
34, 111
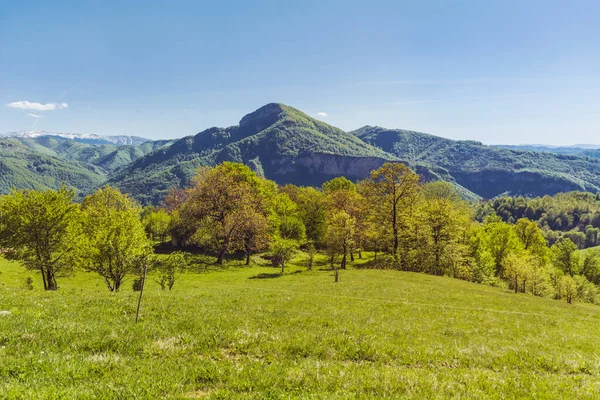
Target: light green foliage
157, 223
115, 243
501, 241
392, 191
590, 266
340, 236
170, 269
340, 183
286, 219
566, 257
283, 250
312, 211
568, 288
40, 230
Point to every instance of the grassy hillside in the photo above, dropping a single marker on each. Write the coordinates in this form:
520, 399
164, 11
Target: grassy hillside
250, 333
486, 170
278, 141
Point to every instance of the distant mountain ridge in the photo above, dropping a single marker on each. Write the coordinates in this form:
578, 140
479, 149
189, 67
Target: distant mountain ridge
487, 170
288, 146
89, 138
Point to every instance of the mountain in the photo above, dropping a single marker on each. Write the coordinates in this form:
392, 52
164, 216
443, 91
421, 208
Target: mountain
78, 137
487, 170
288, 146
277, 141
46, 162
109, 157
24, 168
582, 150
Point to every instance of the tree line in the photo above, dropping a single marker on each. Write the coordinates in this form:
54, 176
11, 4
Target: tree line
572, 215
405, 223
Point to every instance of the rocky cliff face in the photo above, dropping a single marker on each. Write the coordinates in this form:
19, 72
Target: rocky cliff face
316, 168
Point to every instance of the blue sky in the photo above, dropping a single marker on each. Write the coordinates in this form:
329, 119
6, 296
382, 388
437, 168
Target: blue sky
496, 71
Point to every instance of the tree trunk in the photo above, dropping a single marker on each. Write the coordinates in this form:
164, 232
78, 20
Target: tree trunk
117, 285
44, 278
336, 274
248, 257
282, 268
360, 254
221, 256
50, 280
343, 266
395, 231
351, 256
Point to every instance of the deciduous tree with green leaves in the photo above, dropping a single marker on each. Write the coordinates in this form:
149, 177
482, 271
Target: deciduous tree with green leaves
41, 230
115, 240
392, 191
565, 256
340, 237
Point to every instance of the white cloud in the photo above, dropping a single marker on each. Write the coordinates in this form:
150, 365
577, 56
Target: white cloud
35, 116
27, 105
322, 114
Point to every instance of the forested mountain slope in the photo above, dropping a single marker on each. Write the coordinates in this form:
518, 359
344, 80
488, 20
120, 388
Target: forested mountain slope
278, 141
25, 168
46, 162
486, 170
287, 146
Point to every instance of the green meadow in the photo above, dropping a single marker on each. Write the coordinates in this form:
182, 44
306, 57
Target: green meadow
251, 333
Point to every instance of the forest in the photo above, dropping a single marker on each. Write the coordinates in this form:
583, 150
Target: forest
409, 225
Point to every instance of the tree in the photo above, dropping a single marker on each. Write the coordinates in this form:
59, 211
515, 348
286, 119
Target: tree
157, 223
445, 221
255, 234
392, 190
568, 288
340, 236
342, 195
312, 211
501, 240
285, 219
590, 267
41, 230
437, 190
283, 250
115, 241
220, 200
517, 271
171, 269
565, 256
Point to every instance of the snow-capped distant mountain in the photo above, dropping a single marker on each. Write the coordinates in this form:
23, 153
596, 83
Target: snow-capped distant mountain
89, 138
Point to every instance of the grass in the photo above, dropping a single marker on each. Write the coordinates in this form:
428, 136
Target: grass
222, 334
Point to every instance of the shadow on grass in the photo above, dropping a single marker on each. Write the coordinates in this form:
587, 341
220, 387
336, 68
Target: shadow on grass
266, 276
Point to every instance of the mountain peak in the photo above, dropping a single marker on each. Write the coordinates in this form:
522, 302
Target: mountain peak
263, 117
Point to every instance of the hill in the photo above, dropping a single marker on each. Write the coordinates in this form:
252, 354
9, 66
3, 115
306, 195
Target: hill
487, 170
231, 334
278, 141
46, 162
24, 168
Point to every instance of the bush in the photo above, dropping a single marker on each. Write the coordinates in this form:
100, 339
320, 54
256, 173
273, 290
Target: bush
28, 284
